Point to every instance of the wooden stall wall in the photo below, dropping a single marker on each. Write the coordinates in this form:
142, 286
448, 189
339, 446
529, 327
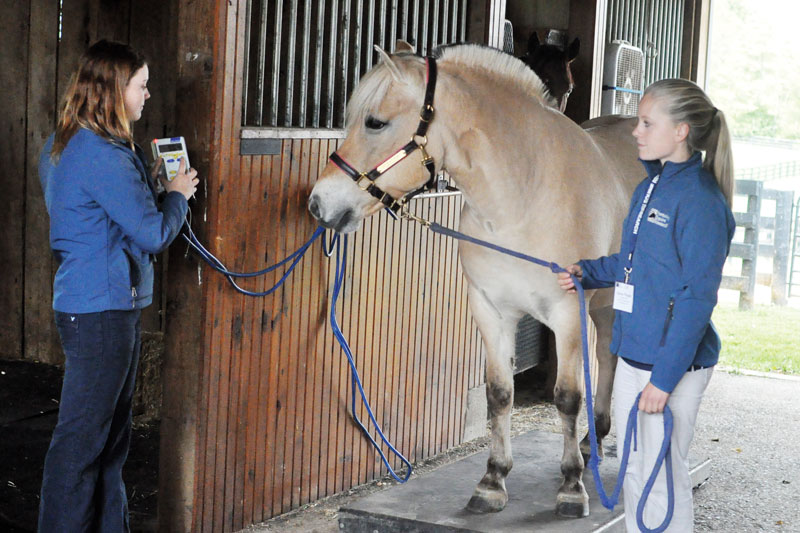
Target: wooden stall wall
256, 418
41, 41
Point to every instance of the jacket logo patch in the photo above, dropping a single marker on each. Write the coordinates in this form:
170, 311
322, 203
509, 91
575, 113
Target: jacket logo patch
657, 217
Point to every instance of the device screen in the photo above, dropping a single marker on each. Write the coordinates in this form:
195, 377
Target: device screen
175, 147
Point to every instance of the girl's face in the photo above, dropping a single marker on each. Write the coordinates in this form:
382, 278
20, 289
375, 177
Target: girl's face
136, 93
657, 136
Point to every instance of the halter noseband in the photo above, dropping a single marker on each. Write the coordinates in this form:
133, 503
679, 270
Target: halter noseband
366, 180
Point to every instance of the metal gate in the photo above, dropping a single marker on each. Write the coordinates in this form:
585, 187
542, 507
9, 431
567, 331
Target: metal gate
304, 58
655, 27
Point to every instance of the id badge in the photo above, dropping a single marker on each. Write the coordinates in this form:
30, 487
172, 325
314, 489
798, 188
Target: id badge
623, 297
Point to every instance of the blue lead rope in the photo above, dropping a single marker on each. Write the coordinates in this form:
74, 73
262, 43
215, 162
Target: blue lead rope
295, 257
594, 459
217, 265
356, 381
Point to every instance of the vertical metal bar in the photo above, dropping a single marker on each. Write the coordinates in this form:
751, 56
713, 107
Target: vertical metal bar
435, 29
669, 37
611, 20
393, 27
404, 18
305, 65
382, 26
290, 64
246, 74
357, 42
679, 10
424, 41
370, 35
262, 65
276, 67
318, 61
445, 19
344, 57
329, 94
415, 27
454, 24
635, 22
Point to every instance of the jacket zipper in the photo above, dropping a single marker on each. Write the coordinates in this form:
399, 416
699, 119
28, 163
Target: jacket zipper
667, 321
133, 297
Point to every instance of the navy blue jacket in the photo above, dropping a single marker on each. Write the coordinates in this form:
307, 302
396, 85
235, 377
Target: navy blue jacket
104, 224
684, 238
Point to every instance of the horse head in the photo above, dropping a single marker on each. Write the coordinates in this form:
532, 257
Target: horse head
551, 64
371, 168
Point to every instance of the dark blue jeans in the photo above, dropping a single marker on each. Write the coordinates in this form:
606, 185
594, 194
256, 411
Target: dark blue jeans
82, 489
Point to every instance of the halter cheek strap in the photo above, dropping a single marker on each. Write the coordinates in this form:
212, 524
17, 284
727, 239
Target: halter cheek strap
366, 180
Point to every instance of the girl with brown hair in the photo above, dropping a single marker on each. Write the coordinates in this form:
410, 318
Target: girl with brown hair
105, 227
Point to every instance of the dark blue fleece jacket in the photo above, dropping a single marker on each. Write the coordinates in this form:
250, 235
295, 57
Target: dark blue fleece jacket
684, 238
104, 224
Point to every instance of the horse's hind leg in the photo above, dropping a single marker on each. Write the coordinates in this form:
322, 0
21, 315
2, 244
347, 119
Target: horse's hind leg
497, 331
607, 363
572, 499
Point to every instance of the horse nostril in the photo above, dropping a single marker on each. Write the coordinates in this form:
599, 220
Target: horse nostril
313, 207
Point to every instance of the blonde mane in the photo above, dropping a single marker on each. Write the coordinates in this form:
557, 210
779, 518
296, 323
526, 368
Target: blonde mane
372, 88
500, 64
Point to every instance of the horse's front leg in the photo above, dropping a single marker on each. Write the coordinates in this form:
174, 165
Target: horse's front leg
606, 365
497, 330
572, 499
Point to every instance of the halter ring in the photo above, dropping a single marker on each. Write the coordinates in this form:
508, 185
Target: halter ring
365, 179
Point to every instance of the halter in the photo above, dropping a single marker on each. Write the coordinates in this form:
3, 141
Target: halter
366, 180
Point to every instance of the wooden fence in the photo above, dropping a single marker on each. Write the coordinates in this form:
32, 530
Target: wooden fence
754, 224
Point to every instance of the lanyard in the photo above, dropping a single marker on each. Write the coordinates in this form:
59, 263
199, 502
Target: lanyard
628, 269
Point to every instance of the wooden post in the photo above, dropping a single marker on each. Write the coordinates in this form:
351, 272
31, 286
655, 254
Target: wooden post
44, 87
14, 28
196, 69
753, 191
782, 245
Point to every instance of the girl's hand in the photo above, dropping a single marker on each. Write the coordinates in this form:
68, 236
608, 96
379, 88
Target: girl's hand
653, 399
184, 182
564, 279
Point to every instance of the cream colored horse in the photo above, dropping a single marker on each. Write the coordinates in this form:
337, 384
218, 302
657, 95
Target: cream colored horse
533, 181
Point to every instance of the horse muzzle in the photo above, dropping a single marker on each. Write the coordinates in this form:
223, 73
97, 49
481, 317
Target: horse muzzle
342, 220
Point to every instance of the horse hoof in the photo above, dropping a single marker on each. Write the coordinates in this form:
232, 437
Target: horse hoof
572, 506
483, 502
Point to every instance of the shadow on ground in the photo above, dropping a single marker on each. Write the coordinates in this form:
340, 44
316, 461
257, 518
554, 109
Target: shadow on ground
29, 395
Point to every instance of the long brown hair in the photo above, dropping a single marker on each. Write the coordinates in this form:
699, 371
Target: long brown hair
708, 129
95, 98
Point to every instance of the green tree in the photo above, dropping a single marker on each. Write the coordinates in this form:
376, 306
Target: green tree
753, 60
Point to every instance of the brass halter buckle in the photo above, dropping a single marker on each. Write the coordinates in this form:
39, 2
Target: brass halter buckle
363, 179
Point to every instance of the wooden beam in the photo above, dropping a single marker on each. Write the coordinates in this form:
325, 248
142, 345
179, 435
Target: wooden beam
40, 337
14, 29
196, 64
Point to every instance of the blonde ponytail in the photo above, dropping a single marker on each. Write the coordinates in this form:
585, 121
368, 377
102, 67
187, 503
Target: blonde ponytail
708, 130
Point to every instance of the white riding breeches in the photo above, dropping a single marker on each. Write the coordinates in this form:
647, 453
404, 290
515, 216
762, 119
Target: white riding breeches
684, 403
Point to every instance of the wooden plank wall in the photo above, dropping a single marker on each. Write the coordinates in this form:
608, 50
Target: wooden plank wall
275, 431
35, 67
267, 389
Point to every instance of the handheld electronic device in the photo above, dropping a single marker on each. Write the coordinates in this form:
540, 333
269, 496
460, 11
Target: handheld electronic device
171, 150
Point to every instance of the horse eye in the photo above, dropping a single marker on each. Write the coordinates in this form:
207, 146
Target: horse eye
373, 123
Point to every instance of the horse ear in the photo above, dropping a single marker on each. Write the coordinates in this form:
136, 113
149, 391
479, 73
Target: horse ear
533, 43
403, 46
574, 48
396, 74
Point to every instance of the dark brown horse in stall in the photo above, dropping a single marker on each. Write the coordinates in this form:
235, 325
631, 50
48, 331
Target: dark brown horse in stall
532, 181
552, 64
